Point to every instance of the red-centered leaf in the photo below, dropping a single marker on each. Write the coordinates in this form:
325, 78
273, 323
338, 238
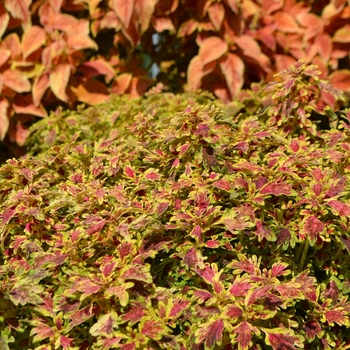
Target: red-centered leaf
65, 342
216, 12
244, 335
286, 23
19, 9
32, 39
91, 92
195, 73
80, 316
313, 227
16, 80
41, 84
341, 208
144, 10
210, 333
211, 49
338, 316
123, 9
203, 295
13, 44
223, 184
4, 120
152, 174
276, 189
239, 288
4, 20
129, 172
190, 258
138, 273
342, 35
120, 292
279, 269
7, 215
59, 78
312, 329
42, 331
26, 294
178, 306
232, 311
121, 83
104, 326
257, 294
280, 338
232, 68
153, 329
207, 274
98, 67
340, 79
50, 260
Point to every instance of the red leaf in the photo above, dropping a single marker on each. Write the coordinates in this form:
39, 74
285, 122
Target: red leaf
233, 311
123, 9
232, 67
312, 330
239, 288
153, 329
340, 79
244, 338
32, 39
4, 20
337, 316
121, 292
211, 333
91, 92
104, 326
216, 12
4, 121
211, 49
129, 172
203, 295
138, 273
7, 215
179, 306
276, 189
80, 316
340, 208
42, 331
16, 80
223, 184
59, 78
313, 227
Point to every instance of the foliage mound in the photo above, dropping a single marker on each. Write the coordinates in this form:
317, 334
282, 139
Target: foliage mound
178, 223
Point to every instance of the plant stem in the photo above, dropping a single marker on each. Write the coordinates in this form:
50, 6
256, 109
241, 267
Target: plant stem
303, 257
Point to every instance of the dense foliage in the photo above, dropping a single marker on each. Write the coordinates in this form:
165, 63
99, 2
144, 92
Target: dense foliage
177, 222
65, 52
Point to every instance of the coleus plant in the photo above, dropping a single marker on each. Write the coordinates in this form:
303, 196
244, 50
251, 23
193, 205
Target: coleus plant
182, 225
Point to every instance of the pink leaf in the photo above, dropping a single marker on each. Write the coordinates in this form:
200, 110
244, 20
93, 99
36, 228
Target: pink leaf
153, 329
19, 9
313, 227
257, 294
280, 338
97, 67
244, 332
211, 333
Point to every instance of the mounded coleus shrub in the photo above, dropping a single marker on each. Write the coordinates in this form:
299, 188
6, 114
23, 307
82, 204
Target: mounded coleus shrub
175, 222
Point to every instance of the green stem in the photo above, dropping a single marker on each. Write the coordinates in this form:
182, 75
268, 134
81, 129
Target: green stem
299, 251
303, 257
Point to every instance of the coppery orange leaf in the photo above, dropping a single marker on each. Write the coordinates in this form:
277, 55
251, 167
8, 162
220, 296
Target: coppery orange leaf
232, 67
16, 80
211, 49
4, 20
123, 9
216, 13
342, 35
41, 84
59, 78
19, 9
286, 23
121, 83
195, 73
144, 10
92, 92
4, 121
32, 39
341, 79
325, 46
